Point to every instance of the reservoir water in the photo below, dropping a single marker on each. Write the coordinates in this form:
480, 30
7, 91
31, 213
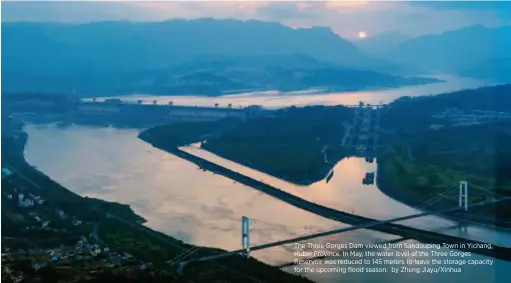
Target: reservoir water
275, 99
203, 208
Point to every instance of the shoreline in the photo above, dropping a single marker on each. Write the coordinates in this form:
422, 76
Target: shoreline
314, 91
409, 198
340, 216
123, 213
320, 174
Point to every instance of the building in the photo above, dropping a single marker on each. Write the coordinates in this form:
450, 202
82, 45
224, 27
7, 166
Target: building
98, 108
45, 224
39, 200
186, 113
38, 265
25, 202
61, 213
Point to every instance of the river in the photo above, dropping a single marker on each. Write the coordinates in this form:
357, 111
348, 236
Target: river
203, 208
275, 99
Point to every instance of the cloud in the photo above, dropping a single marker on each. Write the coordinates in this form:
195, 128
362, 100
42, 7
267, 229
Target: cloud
465, 5
346, 18
290, 10
76, 12
201, 9
500, 9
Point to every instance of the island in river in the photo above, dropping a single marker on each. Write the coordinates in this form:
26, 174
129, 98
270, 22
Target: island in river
290, 144
419, 157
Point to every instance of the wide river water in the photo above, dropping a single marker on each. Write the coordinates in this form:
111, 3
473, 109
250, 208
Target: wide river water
203, 208
275, 99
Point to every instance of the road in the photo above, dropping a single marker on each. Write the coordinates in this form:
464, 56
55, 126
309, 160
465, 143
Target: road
498, 252
330, 213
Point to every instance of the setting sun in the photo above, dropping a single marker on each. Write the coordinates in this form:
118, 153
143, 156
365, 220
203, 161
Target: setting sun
362, 34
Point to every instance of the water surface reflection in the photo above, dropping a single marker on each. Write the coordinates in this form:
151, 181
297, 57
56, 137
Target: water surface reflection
203, 208
275, 99
345, 192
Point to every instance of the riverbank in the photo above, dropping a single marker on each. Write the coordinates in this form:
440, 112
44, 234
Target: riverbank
445, 139
318, 172
390, 228
294, 145
121, 229
408, 196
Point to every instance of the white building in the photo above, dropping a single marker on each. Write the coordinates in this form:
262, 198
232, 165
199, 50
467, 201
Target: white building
26, 202
38, 199
45, 224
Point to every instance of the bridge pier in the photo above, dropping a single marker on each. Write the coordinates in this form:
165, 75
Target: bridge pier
245, 235
463, 195
462, 226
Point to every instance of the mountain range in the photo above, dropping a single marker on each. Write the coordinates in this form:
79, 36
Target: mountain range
100, 56
475, 50
381, 44
118, 57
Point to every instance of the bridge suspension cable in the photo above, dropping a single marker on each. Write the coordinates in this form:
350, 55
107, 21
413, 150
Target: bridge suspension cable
489, 192
434, 199
337, 231
184, 255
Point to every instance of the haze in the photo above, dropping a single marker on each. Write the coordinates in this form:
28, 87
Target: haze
346, 18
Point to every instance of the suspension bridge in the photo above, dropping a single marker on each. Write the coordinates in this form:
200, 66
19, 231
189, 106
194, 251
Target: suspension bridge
387, 226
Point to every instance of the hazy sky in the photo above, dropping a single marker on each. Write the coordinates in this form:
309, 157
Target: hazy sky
346, 18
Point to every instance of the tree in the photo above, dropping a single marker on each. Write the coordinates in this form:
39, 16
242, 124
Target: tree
139, 102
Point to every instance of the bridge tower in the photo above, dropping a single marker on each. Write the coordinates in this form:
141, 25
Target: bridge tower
463, 195
245, 235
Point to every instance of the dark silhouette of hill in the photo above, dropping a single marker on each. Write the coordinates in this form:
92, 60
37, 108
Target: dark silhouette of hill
454, 51
115, 58
381, 44
419, 111
498, 69
91, 57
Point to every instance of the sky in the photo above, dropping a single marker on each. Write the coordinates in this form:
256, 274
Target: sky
346, 18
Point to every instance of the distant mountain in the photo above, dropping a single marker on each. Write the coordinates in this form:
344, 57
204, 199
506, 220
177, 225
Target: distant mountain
345, 79
280, 72
454, 51
96, 56
381, 44
497, 69
286, 61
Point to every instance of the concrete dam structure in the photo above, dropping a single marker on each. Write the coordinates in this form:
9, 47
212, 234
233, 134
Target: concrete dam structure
165, 113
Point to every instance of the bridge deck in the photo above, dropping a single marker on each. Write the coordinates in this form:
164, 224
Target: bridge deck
502, 253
